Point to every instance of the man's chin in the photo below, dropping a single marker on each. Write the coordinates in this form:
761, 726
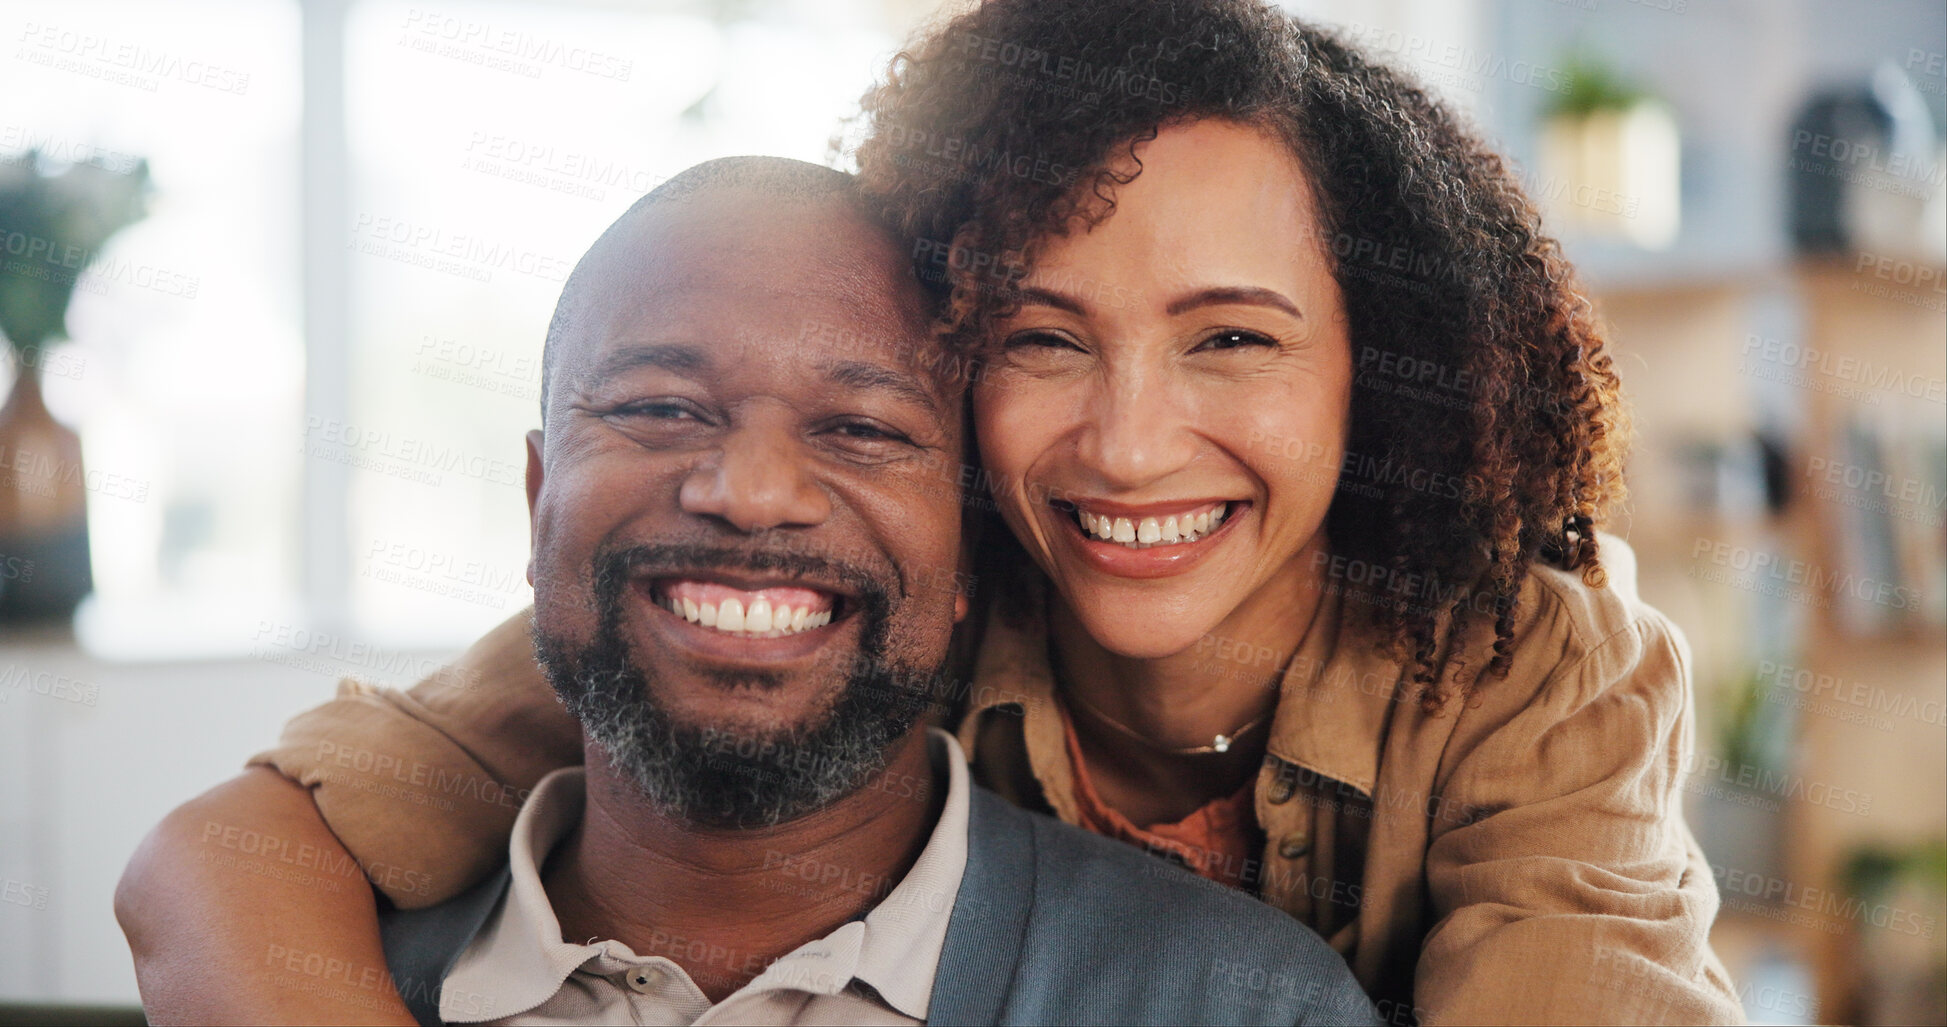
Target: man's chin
723, 755
747, 731
739, 776
716, 708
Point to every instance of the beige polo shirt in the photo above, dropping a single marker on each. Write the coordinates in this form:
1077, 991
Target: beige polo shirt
878, 970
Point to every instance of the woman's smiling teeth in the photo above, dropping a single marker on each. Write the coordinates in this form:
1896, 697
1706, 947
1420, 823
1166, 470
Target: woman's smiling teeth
1145, 532
766, 613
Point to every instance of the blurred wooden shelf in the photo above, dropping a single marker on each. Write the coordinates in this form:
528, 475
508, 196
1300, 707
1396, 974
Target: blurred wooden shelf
1686, 352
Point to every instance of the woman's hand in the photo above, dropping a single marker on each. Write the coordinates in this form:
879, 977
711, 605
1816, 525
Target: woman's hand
243, 907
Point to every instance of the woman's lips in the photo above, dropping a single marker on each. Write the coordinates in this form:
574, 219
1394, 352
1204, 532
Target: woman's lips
1200, 527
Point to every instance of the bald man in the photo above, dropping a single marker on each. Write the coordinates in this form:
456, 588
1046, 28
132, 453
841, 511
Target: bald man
735, 524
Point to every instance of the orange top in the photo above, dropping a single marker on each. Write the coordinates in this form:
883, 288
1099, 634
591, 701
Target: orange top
1219, 840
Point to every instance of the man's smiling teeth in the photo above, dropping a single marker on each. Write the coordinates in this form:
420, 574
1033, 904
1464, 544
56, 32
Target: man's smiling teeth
1144, 532
755, 615
760, 620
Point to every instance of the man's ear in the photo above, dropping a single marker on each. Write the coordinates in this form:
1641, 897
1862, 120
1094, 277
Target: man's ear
963, 577
971, 523
536, 473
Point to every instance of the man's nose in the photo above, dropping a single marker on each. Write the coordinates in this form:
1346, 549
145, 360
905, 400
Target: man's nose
1137, 430
760, 478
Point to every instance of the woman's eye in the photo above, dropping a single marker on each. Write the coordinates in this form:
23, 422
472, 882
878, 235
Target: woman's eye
1040, 340
1235, 338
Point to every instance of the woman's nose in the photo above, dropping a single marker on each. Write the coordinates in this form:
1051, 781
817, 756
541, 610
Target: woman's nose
1137, 431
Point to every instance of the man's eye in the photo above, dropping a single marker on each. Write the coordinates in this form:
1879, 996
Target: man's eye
1234, 338
657, 410
868, 431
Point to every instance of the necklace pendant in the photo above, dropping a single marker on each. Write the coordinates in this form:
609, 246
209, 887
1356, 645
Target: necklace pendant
1222, 743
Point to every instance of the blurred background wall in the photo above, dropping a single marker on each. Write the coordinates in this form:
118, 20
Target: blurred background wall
299, 382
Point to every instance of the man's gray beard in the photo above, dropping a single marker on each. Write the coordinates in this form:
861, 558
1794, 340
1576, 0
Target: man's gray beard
721, 778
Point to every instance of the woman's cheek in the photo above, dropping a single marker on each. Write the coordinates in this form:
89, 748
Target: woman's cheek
1295, 452
1007, 431
1004, 436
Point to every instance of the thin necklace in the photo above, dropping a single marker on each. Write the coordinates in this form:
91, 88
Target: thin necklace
1221, 743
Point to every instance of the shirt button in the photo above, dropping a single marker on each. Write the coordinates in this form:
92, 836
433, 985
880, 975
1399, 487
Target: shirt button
1295, 845
644, 980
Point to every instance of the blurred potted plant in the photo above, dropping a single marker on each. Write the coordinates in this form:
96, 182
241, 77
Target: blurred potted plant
1611, 156
1901, 950
53, 224
1738, 816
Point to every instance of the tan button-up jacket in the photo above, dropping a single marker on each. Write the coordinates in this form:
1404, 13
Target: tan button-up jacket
1518, 858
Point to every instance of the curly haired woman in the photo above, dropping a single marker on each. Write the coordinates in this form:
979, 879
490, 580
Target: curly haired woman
1300, 431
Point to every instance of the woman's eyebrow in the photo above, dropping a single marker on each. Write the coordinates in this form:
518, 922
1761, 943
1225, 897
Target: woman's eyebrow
1051, 298
1245, 294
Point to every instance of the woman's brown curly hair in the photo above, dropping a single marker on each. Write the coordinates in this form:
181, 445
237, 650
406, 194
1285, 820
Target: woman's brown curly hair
1014, 122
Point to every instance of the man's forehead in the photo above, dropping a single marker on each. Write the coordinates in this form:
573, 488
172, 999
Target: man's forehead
701, 320
726, 270
765, 253
741, 233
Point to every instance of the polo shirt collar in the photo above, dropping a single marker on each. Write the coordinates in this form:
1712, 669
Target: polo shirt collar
519, 960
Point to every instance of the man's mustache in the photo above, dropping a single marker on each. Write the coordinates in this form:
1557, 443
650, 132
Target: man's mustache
616, 566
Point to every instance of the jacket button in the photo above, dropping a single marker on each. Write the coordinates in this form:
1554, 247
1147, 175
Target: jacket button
1295, 845
1283, 787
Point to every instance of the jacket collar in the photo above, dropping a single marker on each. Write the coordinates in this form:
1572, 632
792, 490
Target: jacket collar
1333, 703
1333, 699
